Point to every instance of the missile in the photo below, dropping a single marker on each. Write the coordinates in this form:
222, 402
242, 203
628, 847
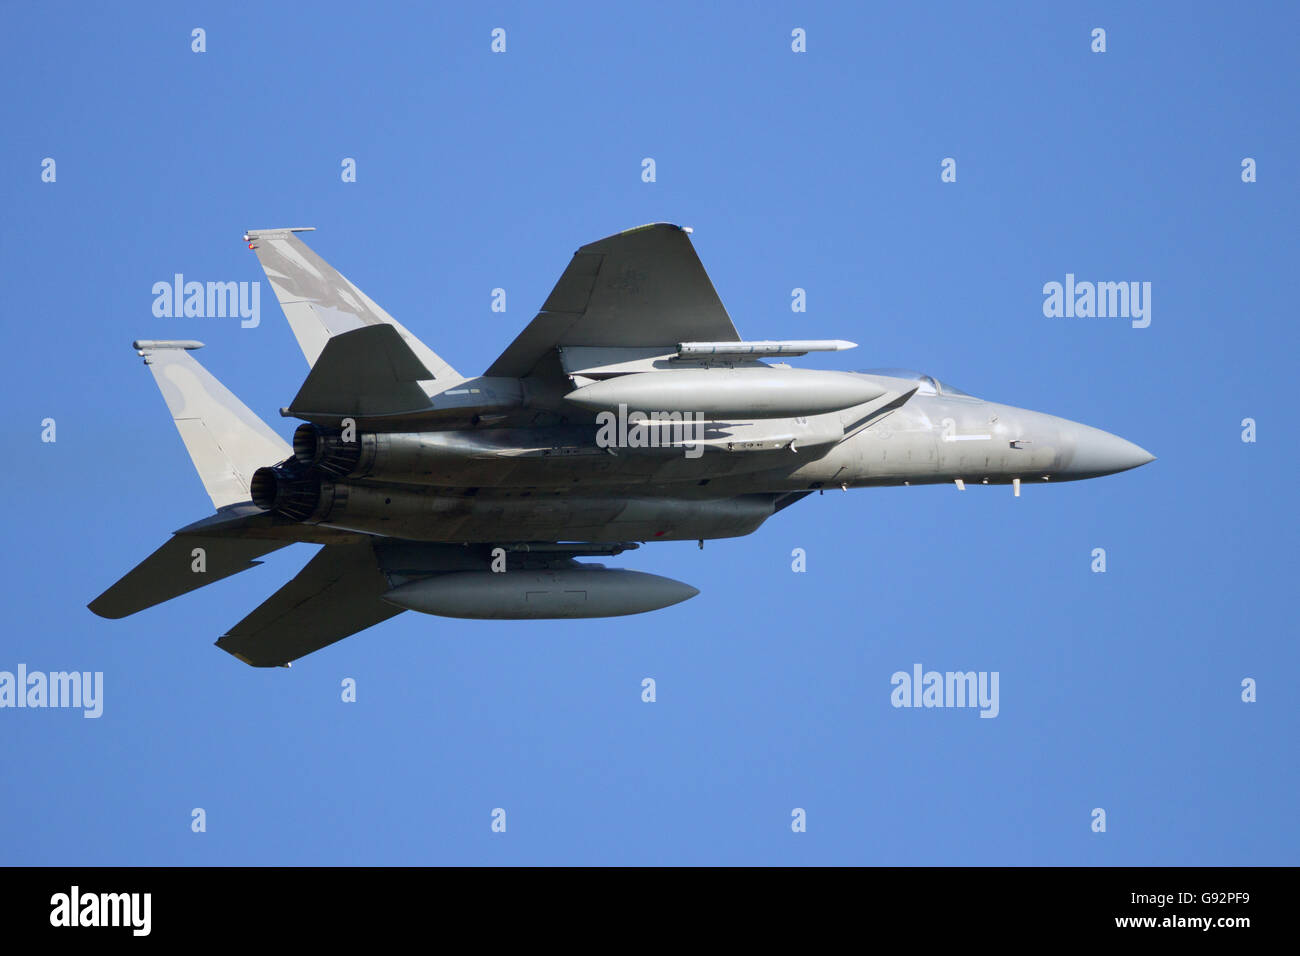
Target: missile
590, 591
761, 392
147, 345
757, 349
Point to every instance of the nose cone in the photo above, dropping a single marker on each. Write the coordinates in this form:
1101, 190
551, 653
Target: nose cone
1100, 453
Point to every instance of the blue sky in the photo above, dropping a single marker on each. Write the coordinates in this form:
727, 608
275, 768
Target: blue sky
817, 170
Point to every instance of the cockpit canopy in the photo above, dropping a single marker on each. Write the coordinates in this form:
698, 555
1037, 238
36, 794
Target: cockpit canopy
929, 385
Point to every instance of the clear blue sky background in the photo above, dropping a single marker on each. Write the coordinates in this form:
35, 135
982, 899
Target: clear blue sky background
1118, 690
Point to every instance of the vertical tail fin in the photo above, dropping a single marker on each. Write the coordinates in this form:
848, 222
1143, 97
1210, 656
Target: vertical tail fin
226, 441
319, 302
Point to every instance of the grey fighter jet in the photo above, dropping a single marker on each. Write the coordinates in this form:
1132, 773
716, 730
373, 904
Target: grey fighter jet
628, 411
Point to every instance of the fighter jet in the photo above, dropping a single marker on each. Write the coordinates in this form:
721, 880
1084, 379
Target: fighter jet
628, 411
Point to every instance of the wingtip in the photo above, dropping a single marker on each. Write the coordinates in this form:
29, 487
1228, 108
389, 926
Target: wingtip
656, 225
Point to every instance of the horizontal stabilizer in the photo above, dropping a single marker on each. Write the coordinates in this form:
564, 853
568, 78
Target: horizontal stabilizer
333, 597
170, 571
369, 371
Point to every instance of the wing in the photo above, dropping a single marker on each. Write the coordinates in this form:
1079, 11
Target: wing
641, 288
333, 597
